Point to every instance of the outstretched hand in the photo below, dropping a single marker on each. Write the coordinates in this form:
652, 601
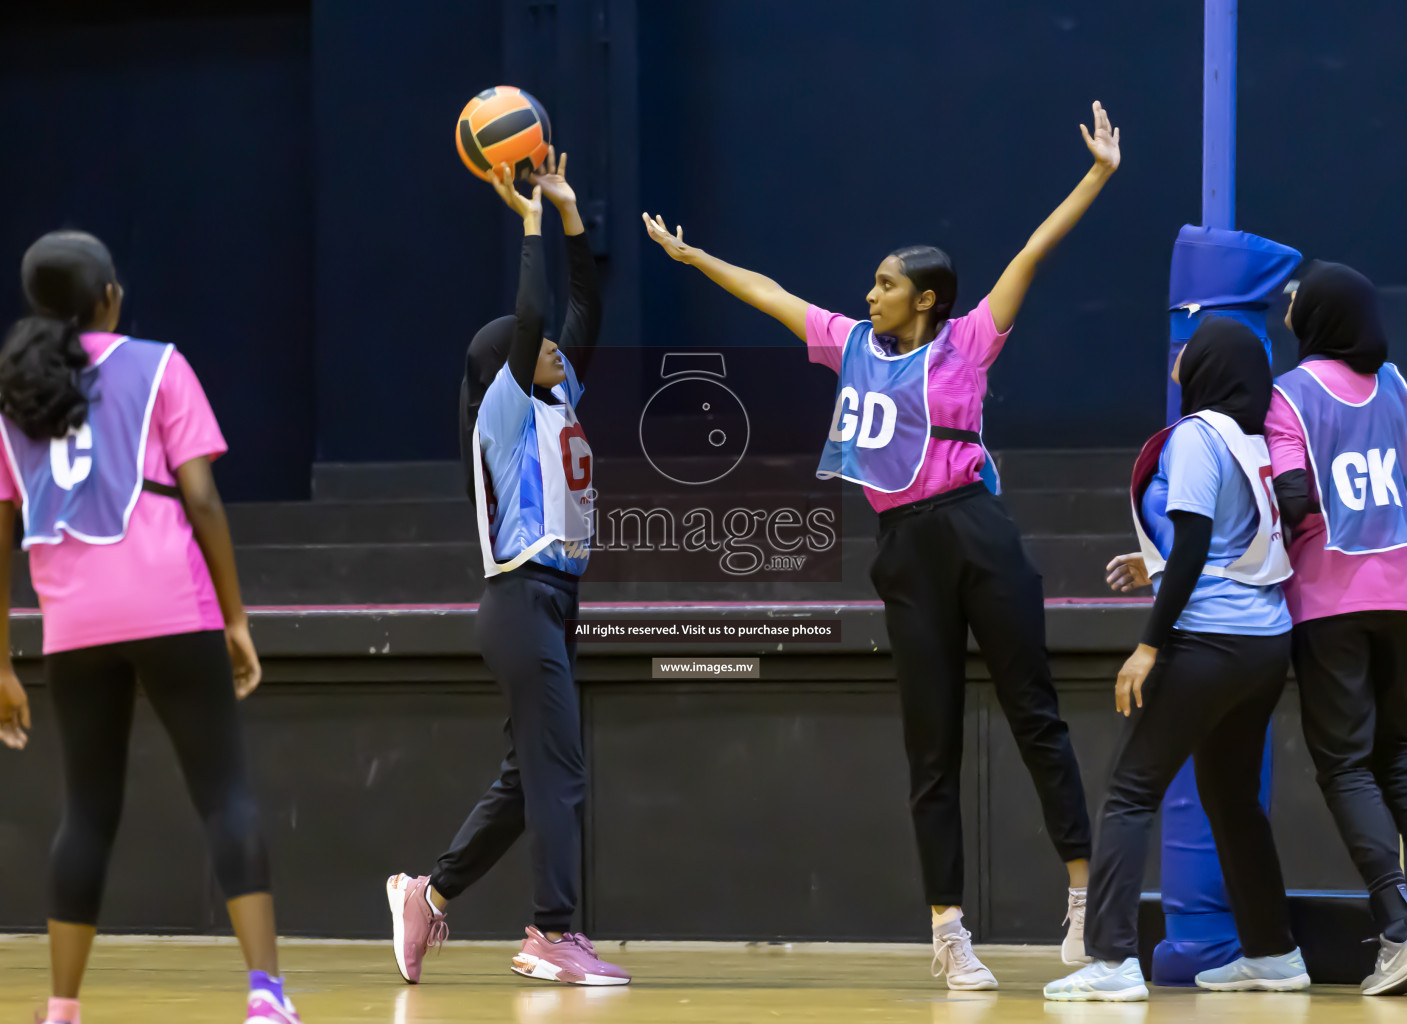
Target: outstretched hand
524, 206
1104, 143
553, 179
672, 244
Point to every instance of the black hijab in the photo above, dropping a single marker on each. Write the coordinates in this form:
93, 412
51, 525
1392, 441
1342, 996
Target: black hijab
1225, 369
1336, 316
488, 351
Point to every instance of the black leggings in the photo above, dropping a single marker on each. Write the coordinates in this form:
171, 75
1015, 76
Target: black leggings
945, 564
1352, 672
1209, 696
188, 680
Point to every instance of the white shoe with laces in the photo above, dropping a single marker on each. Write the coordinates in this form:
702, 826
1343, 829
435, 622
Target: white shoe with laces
1103, 981
953, 956
1072, 950
1390, 975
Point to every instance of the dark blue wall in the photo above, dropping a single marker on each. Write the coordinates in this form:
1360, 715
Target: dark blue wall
409, 254
185, 144
279, 185
809, 145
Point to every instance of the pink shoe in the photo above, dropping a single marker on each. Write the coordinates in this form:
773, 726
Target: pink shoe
266, 1008
572, 961
60, 1011
415, 927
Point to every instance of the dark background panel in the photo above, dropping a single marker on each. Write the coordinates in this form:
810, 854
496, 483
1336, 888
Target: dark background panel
879, 131
363, 781
767, 810
811, 161
410, 255
222, 230
727, 812
1298, 68
29, 814
185, 143
1027, 883
158, 878
279, 185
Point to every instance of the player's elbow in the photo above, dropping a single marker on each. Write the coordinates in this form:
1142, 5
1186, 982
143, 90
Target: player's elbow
1036, 249
204, 507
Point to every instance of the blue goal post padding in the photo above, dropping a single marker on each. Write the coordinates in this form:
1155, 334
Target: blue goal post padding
1216, 272
1215, 267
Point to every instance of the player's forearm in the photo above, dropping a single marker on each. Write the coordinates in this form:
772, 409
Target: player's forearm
1065, 216
532, 298
212, 533
757, 290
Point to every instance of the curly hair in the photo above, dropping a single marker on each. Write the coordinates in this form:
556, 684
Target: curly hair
65, 276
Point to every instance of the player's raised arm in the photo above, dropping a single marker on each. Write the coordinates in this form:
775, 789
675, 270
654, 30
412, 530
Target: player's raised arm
755, 289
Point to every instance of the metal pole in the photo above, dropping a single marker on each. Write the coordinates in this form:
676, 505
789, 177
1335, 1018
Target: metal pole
1219, 115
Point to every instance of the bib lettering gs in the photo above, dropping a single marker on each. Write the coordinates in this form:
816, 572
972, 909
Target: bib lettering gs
1356, 451
880, 426
86, 484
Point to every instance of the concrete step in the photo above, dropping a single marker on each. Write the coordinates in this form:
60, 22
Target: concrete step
1066, 469
433, 520
1063, 511
1022, 469
449, 572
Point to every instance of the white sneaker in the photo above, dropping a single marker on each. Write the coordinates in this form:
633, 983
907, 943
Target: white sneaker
953, 956
1072, 950
1390, 975
1284, 973
1102, 982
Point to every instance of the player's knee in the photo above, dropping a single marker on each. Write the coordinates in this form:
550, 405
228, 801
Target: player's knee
238, 848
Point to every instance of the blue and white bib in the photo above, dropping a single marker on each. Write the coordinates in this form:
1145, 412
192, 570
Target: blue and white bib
536, 500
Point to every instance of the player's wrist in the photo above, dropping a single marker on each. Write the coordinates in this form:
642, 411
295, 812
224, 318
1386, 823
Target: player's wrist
572, 224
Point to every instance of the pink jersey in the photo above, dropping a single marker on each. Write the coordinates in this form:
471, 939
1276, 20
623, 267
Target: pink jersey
154, 582
954, 397
1330, 582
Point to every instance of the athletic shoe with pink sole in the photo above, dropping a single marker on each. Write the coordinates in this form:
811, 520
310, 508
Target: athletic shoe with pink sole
414, 926
266, 1007
572, 961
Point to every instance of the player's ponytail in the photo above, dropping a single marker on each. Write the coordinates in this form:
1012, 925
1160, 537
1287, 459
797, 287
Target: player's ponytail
931, 269
42, 391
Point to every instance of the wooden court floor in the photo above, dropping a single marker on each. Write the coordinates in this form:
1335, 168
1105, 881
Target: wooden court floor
143, 980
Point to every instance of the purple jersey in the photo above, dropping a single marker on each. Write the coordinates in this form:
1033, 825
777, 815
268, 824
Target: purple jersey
87, 483
1356, 451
